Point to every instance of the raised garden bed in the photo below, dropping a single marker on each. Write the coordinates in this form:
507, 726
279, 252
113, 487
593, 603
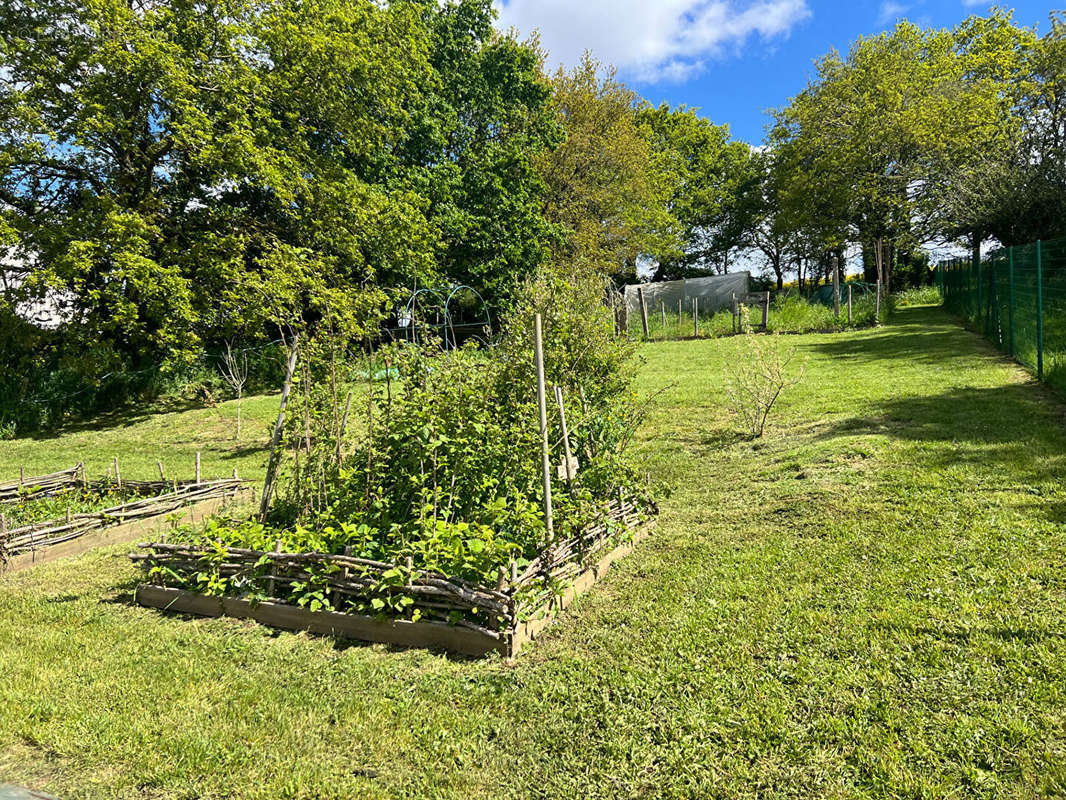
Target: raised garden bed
38, 542
437, 611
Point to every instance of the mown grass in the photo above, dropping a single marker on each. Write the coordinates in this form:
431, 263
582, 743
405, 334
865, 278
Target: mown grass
868, 602
140, 439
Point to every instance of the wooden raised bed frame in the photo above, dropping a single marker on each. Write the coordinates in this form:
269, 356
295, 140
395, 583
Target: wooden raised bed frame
466, 639
125, 532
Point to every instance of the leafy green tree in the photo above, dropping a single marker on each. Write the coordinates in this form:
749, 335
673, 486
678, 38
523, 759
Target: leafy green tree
1018, 193
877, 136
607, 188
474, 152
156, 156
714, 184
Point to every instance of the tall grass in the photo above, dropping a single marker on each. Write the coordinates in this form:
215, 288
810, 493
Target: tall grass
917, 296
789, 313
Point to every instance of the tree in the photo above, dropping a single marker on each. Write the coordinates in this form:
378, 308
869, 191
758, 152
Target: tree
1017, 194
877, 135
606, 187
713, 182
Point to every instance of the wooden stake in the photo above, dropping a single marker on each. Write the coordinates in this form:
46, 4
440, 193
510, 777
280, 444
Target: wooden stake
118, 477
735, 311
880, 259
836, 287
275, 450
680, 314
197, 467
273, 564
22, 476
850, 288
162, 477
662, 311
344, 426
696, 317
542, 407
766, 313
566, 437
643, 312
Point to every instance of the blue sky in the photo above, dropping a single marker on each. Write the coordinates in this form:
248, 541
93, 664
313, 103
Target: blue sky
734, 59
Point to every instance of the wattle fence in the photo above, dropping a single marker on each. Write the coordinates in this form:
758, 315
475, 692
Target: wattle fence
1015, 296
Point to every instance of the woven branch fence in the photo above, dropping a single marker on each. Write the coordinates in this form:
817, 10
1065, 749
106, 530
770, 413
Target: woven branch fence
42, 485
40, 535
39, 487
353, 583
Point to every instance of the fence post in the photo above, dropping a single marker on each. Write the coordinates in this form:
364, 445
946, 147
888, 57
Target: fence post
696, 317
643, 312
980, 291
1039, 310
1010, 300
836, 288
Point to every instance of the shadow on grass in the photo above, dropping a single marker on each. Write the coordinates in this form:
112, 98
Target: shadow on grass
923, 334
125, 416
1025, 635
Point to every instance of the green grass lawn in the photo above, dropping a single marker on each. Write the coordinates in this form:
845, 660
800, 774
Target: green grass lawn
139, 440
868, 602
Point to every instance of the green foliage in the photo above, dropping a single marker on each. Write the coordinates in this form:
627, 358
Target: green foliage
607, 185
920, 296
448, 469
871, 145
712, 179
181, 175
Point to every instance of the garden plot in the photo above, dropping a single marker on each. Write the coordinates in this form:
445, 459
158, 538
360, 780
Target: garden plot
468, 510
46, 517
440, 611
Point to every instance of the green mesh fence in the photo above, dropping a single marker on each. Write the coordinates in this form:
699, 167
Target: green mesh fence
1016, 296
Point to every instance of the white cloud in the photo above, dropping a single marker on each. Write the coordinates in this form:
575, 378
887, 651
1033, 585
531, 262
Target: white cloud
890, 12
651, 40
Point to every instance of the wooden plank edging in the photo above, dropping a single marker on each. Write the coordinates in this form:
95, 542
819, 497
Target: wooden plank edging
401, 633
119, 534
526, 632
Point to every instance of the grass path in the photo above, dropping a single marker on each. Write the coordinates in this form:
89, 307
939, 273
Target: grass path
869, 602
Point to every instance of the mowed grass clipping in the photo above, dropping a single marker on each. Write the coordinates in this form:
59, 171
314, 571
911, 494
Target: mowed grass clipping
868, 602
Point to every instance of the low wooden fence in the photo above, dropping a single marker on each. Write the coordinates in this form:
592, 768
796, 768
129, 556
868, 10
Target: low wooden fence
453, 614
56, 484
30, 544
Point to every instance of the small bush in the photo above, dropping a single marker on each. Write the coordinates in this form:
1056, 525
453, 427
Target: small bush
762, 372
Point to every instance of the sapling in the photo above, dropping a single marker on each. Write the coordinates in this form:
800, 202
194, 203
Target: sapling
761, 373
234, 371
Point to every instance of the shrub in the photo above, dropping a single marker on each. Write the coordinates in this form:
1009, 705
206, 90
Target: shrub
761, 373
